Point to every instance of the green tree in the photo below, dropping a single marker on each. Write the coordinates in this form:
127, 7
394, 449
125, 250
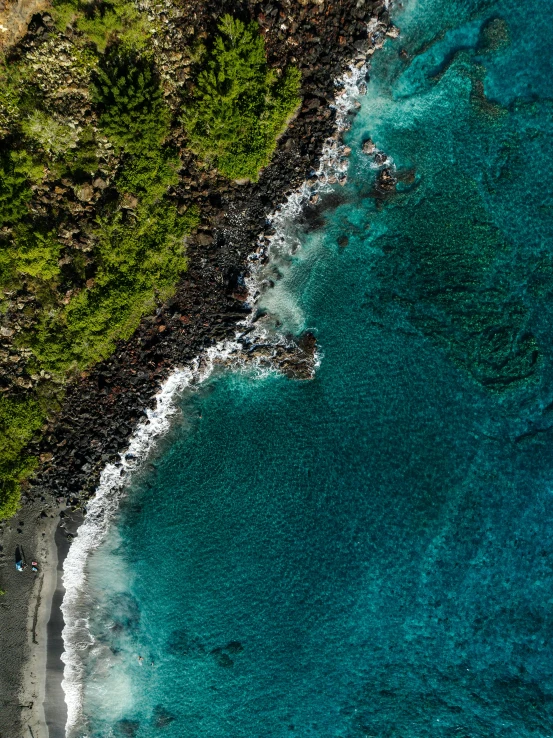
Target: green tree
133, 113
239, 106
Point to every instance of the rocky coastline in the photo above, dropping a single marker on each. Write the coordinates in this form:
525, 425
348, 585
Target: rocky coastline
103, 406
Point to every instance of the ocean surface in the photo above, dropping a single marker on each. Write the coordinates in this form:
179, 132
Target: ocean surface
368, 554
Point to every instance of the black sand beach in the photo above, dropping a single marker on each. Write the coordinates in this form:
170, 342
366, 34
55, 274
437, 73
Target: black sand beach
24, 611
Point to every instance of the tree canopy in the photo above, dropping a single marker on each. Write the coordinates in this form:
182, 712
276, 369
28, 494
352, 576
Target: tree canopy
239, 105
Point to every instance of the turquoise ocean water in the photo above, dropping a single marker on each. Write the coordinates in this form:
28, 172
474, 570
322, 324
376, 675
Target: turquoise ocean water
370, 554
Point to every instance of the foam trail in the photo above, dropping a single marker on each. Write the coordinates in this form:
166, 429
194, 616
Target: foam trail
333, 165
114, 478
100, 512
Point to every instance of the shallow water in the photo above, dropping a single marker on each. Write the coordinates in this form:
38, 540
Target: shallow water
369, 553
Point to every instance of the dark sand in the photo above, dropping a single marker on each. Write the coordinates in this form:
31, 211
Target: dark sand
24, 613
55, 710
32, 702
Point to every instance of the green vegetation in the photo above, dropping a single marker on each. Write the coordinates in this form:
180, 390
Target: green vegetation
75, 297
54, 137
81, 162
148, 176
140, 251
133, 113
239, 106
102, 22
138, 236
31, 256
20, 419
139, 258
16, 171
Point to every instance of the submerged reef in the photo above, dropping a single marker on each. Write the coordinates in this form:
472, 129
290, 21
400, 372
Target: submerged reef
460, 276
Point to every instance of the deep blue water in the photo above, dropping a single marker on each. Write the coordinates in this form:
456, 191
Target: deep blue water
370, 554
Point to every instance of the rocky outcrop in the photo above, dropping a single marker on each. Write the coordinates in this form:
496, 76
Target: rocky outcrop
15, 17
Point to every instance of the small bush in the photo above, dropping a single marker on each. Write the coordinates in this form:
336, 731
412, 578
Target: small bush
133, 113
53, 136
103, 22
16, 171
149, 176
239, 106
30, 254
20, 419
10, 88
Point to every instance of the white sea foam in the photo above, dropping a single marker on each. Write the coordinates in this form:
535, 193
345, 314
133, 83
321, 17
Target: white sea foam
115, 477
332, 169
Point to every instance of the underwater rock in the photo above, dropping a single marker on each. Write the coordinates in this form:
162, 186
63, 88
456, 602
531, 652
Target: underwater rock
127, 728
162, 717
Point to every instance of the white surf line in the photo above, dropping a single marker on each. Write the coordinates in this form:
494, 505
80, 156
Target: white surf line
100, 512
115, 477
333, 165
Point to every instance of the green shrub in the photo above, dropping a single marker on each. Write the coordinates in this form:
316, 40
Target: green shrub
9, 95
20, 419
30, 254
140, 259
102, 22
149, 176
133, 113
54, 137
239, 106
16, 171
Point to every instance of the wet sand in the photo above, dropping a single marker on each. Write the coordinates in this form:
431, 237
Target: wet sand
55, 710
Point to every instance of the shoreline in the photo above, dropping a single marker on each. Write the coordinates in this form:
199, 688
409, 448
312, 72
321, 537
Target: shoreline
54, 702
55, 708
115, 477
125, 385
